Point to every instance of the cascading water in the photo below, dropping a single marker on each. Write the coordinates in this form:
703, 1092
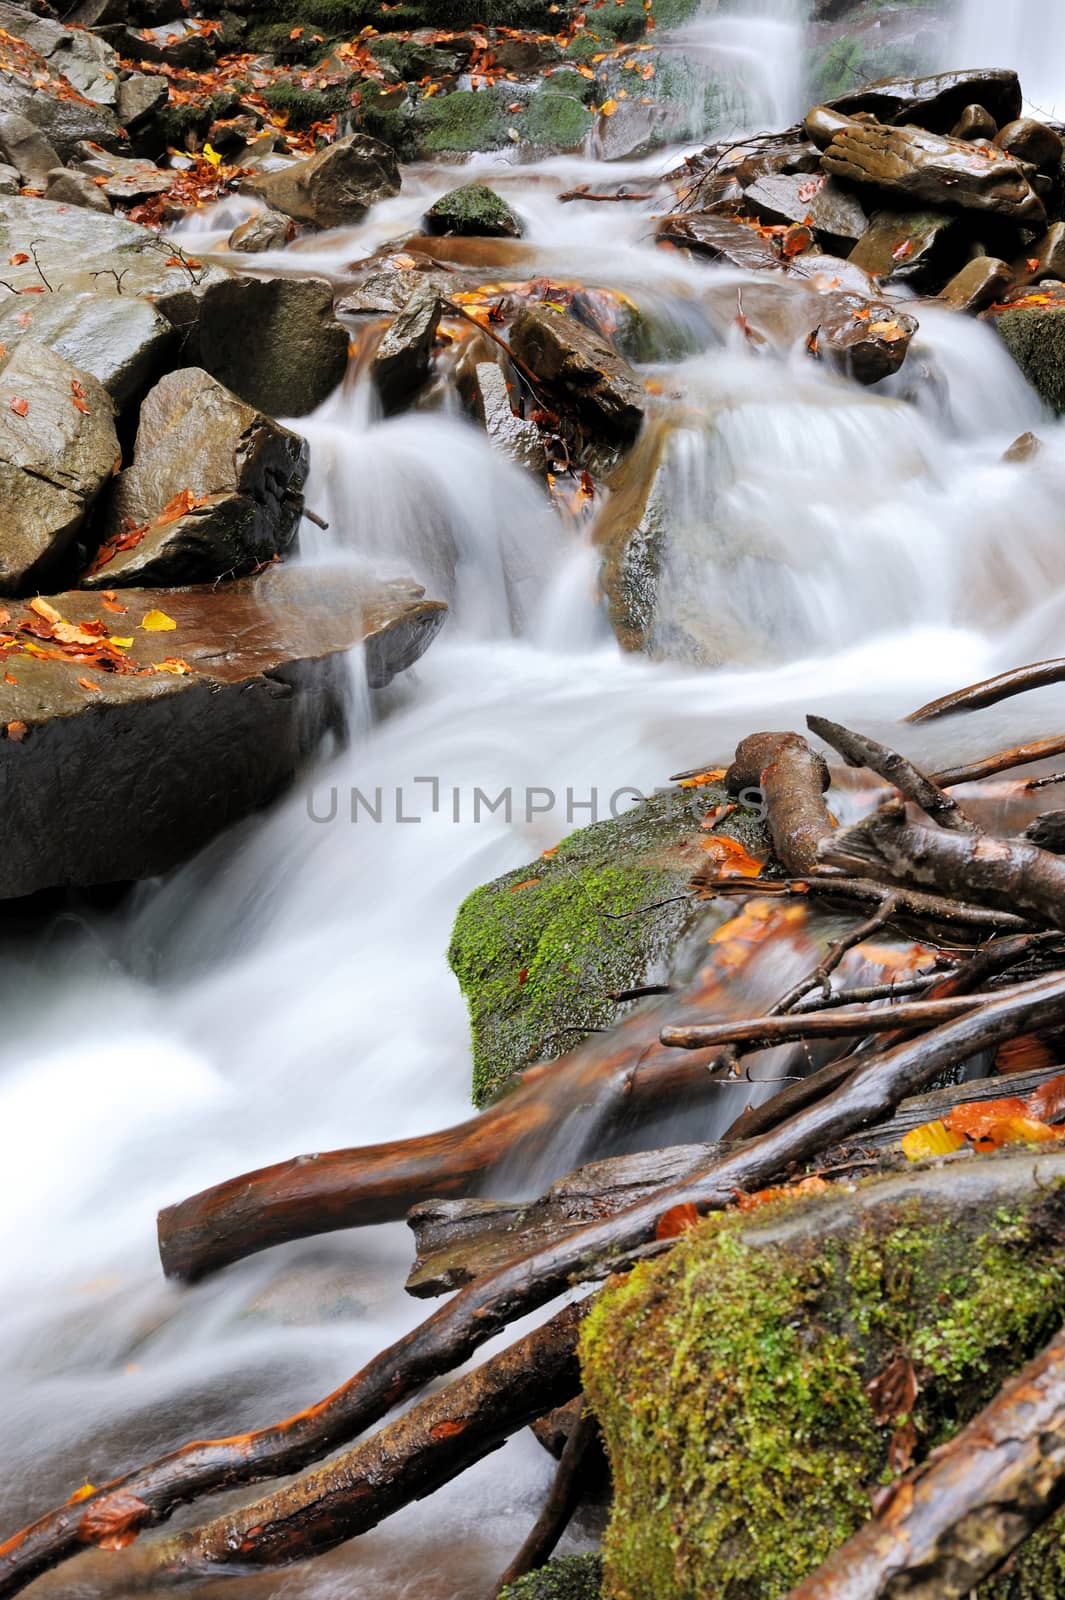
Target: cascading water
1028, 35
289, 992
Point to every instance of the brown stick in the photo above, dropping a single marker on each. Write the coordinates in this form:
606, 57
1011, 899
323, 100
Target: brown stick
765, 1033
909, 903
582, 194
460, 1326
410, 1458
793, 780
992, 690
1022, 755
561, 1503
996, 871
956, 1519
858, 751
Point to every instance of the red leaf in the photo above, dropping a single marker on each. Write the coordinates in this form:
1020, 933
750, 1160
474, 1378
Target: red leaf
19, 407
113, 1522
677, 1220
17, 731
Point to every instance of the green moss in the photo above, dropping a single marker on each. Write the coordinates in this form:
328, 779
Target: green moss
305, 106
387, 114
571, 1578
172, 124
474, 210
464, 122
537, 953
1035, 338
731, 1380
557, 117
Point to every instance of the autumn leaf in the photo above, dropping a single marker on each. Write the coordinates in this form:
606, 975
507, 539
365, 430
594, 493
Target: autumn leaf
17, 731
527, 884
179, 505
902, 251
211, 154
730, 857
157, 622
19, 406
931, 1139
766, 1197
78, 395
87, 683
113, 605
893, 1392
608, 108
113, 1522
9, 679
699, 779
43, 609
172, 664
1047, 1103
677, 1220
447, 1429
19, 259
83, 1493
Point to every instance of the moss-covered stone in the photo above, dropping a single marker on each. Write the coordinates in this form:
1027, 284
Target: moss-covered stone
306, 106
464, 122
387, 114
557, 117
538, 952
570, 1578
1035, 338
473, 211
731, 1379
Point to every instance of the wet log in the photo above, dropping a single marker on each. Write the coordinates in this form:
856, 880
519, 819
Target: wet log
458, 1241
1022, 755
992, 690
859, 751
998, 872
567, 1488
793, 780
453, 1333
956, 1519
408, 1459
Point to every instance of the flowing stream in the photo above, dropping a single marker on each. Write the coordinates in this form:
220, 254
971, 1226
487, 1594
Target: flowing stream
289, 990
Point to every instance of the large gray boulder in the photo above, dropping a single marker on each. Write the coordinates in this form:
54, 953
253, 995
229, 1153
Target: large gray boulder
274, 341
58, 449
930, 168
937, 102
598, 383
213, 491
334, 187
84, 60
207, 715
123, 343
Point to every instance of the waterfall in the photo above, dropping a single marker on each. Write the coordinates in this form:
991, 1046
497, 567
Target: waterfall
1026, 34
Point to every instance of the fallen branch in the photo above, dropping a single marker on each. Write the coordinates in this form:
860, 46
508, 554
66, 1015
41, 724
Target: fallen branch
1021, 755
581, 193
561, 1503
909, 903
764, 1033
992, 690
793, 780
858, 751
956, 1519
997, 871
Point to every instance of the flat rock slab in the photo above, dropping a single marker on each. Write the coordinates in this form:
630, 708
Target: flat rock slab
111, 776
836, 216
934, 170
719, 238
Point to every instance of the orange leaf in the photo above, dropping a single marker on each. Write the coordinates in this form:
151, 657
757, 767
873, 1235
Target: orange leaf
701, 778
677, 1220
113, 1522
1048, 1101
82, 1494
732, 860
17, 731
902, 251
447, 1430
19, 259
43, 609
9, 679
1024, 1054
932, 1139
766, 1197
19, 407
179, 506
528, 883
87, 683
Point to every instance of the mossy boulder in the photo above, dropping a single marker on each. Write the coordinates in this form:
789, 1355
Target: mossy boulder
464, 122
1035, 338
541, 953
558, 116
475, 211
570, 1578
735, 1381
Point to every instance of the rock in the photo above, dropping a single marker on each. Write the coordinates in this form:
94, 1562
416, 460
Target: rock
10, 179
975, 122
511, 435
568, 1578
82, 58
401, 362
979, 283
1034, 335
936, 102
121, 342
197, 442
473, 210
30, 88
24, 145
55, 459
719, 239
127, 779
1024, 448
835, 216
822, 125
123, 180
178, 50
572, 358
734, 1379
1033, 142
384, 291
336, 186
266, 230
139, 98
827, 274
1044, 258
934, 169
907, 245
866, 342
274, 341
67, 188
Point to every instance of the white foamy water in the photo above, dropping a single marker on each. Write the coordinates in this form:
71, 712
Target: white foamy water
289, 990
1028, 35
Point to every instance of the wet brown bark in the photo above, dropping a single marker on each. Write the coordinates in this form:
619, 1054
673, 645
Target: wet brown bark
958, 1518
993, 690
793, 780
1021, 755
452, 1334
859, 751
996, 871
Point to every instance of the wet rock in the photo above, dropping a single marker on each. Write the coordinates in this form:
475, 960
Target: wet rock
189, 49
336, 186
934, 169
600, 385
1034, 335
56, 456
265, 675
938, 101
384, 291
233, 477
631, 534
274, 341
10, 179
511, 435
121, 342
719, 239
979, 283
557, 117
25, 147
1033, 142
1024, 448
68, 188
82, 58
907, 245
975, 122
266, 230
779, 313
567, 1578
1044, 258
866, 342
473, 210
43, 98
122, 179
836, 216
139, 98
827, 274
822, 125
401, 361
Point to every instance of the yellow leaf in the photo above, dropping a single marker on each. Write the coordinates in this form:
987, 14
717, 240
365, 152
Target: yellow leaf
82, 1494
120, 644
158, 622
173, 664
211, 154
608, 108
43, 609
933, 1139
